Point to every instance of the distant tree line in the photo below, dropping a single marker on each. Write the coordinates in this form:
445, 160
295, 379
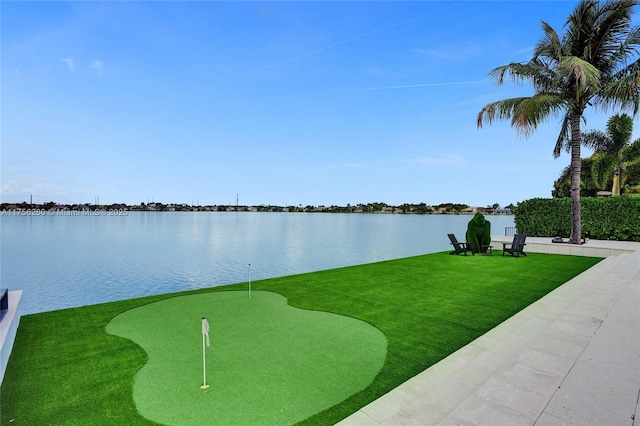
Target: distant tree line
376, 207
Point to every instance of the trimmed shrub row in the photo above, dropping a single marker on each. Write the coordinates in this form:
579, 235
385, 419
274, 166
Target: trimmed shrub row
610, 218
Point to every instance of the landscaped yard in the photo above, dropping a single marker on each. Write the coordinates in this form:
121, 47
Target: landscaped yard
66, 369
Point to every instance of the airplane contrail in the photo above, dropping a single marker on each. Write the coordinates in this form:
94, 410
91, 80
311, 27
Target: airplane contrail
301, 55
410, 86
319, 49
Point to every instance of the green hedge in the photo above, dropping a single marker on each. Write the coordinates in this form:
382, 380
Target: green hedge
610, 218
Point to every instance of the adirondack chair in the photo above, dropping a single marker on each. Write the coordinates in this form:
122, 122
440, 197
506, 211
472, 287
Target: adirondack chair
516, 248
459, 247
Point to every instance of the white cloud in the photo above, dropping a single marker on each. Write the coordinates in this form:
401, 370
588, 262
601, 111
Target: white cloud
97, 65
10, 187
71, 64
13, 188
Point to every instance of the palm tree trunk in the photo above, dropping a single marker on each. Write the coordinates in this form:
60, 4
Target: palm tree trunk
616, 184
616, 175
576, 166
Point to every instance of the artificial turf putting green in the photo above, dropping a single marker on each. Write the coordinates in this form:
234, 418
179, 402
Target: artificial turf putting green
269, 363
66, 369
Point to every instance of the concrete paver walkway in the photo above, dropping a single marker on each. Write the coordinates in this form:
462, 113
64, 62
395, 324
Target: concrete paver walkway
572, 357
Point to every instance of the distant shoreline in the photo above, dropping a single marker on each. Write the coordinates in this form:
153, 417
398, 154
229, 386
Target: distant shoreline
55, 209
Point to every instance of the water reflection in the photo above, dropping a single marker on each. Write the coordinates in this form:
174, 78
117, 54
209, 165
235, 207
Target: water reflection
62, 262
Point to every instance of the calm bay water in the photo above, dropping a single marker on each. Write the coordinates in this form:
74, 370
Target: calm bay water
67, 261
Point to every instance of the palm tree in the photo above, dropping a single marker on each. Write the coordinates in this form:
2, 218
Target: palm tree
610, 149
588, 188
595, 63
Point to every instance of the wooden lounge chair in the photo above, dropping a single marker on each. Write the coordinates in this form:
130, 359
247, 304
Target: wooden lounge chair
460, 247
516, 248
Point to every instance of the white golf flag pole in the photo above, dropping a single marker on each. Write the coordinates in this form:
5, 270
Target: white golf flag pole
249, 273
205, 341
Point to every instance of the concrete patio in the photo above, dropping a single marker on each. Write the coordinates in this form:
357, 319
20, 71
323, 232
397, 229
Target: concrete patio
572, 357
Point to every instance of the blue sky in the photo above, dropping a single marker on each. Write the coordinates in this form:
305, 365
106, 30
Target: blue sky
282, 103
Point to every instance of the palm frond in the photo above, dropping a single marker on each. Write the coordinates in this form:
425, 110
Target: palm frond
519, 73
525, 113
583, 16
582, 73
602, 168
622, 93
627, 51
620, 129
610, 28
630, 69
545, 76
497, 111
631, 153
549, 45
596, 140
564, 138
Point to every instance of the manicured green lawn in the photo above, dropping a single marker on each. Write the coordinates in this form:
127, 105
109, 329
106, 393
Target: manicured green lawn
66, 369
